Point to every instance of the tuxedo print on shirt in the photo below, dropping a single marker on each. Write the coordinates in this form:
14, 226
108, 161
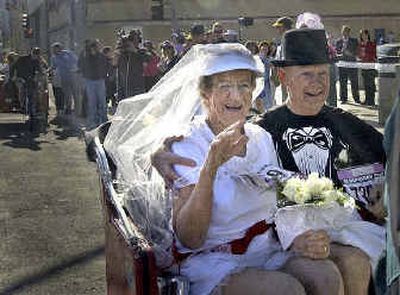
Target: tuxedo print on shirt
310, 147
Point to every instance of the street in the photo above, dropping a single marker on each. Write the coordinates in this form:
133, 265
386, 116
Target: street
51, 231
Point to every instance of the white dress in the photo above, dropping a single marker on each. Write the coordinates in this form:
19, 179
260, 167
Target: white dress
236, 207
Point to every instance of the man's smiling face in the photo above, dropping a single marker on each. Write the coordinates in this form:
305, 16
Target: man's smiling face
308, 88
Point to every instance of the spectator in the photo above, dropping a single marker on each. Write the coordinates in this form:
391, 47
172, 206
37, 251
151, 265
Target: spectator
65, 63
110, 76
10, 88
252, 46
178, 39
390, 38
367, 53
93, 65
333, 70
266, 95
282, 25
129, 59
231, 36
4, 68
24, 70
208, 37
168, 57
58, 92
151, 71
197, 32
218, 33
347, 51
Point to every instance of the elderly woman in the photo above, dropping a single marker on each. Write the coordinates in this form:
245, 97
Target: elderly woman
223, 225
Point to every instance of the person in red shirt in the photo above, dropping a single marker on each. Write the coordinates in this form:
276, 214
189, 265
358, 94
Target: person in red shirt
151, 72
367, 53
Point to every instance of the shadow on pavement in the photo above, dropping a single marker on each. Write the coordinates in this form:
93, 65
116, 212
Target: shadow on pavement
17, 135
66, 128
45, 274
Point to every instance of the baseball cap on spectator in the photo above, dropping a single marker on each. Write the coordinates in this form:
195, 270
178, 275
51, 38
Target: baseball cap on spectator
197, 30
283, 21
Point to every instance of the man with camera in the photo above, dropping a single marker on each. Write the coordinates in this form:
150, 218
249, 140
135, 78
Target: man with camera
129, 59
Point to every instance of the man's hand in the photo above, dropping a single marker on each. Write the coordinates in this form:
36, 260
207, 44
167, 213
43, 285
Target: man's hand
312, 244
163, 161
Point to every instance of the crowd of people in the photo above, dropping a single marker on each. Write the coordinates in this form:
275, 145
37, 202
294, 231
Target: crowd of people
101, 76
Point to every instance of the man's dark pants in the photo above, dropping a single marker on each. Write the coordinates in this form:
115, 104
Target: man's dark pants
344, 75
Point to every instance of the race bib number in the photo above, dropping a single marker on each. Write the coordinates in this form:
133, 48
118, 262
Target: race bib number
358, 181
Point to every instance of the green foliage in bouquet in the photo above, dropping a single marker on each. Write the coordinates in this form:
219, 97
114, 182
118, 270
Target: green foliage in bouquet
312, 190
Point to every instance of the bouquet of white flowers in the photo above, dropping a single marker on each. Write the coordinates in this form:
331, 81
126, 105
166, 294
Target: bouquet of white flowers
314, 203
312, 190
311, 203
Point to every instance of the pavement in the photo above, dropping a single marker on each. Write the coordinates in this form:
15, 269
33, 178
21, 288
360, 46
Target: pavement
51, 227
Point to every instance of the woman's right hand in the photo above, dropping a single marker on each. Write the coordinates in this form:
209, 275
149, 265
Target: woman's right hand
312, 244
230, 142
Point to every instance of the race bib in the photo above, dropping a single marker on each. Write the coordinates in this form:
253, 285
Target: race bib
358, 180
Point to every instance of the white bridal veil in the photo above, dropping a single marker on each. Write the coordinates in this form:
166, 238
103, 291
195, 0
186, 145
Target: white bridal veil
141, 123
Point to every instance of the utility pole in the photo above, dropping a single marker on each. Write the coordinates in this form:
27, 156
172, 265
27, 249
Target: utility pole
174, 20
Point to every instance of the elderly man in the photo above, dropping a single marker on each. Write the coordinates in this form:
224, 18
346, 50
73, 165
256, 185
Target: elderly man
309, 137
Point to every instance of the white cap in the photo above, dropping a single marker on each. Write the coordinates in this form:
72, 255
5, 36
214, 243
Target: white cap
218, 58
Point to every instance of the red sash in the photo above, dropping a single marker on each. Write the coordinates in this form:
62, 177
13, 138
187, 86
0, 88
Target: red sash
236, 247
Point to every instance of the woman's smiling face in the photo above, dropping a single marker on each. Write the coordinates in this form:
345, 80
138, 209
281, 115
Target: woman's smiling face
229, 99
308, 88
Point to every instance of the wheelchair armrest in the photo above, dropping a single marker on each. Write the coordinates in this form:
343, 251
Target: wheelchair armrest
89, 137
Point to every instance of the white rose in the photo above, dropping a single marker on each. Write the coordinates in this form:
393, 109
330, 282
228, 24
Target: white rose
315, 185
292, 187
302, 195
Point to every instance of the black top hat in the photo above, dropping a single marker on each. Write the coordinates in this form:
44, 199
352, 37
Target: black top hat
303, 47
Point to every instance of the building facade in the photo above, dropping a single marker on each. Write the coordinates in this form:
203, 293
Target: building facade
73, 21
